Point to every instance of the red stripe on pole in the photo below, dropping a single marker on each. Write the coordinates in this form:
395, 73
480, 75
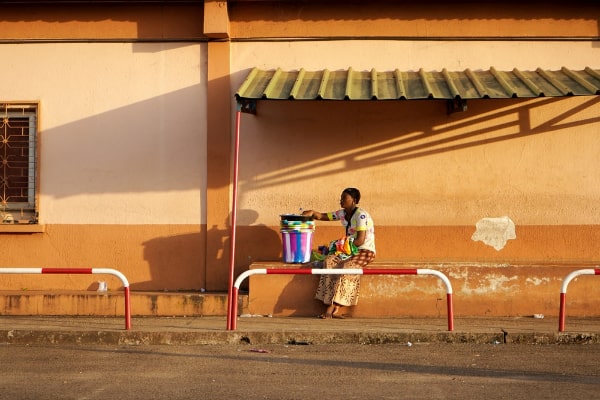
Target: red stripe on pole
127, 309
66, 270
295, 271
597, 272
450, 309
561, 313
234, 307
384, 271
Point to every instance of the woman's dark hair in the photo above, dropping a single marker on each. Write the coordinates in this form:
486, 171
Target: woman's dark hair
354, 193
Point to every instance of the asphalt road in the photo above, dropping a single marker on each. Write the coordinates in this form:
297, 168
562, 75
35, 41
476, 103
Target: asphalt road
343, 371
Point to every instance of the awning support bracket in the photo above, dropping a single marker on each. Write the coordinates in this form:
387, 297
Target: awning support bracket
247, 106
456, 105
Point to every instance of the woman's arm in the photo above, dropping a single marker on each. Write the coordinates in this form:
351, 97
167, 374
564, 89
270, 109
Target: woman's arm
316, 215
360, 238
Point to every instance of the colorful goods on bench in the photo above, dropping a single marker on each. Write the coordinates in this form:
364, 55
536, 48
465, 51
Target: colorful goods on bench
343, 247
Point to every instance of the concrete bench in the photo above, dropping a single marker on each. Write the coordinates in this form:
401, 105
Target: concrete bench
381, 295
480, 289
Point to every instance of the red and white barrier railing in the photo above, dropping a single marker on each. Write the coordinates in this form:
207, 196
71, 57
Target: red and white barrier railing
563, 292
232, 312
80, 271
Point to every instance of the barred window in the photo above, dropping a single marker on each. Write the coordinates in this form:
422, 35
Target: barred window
18, 163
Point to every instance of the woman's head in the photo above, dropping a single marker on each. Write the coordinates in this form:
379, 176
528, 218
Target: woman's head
354, 193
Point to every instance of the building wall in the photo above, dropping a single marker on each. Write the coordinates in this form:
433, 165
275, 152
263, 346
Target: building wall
424, 173
409, 20
135, 132
122, 160
525, 158
427, 177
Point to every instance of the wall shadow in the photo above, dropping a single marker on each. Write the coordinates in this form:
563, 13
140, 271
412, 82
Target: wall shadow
392, 141
175, 263
257, 242
181, 258
358, 11
300, 286
111, 152
78, 20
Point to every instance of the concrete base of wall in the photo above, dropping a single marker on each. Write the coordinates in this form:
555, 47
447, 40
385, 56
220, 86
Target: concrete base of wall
113, 303
478, 290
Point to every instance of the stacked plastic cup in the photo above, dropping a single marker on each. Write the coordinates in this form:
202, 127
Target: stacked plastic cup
296, 235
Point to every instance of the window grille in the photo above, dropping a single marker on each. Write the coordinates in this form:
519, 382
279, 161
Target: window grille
18, 163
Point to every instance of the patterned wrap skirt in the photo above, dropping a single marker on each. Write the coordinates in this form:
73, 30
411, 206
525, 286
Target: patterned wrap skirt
342, 289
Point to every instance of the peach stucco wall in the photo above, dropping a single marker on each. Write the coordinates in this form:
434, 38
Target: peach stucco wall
525, 158
122, 129
122, 139
410, 55
152, 257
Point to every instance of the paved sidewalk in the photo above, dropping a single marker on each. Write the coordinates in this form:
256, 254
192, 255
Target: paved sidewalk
293, 330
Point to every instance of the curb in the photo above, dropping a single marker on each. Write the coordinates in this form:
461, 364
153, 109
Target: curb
118, 338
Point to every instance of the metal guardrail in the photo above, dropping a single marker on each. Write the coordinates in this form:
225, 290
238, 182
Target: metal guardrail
232, 311
80, 271
563, 292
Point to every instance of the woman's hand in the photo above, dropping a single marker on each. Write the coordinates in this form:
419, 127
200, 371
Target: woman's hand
313, 213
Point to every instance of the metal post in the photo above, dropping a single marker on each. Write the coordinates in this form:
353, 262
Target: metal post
231, 311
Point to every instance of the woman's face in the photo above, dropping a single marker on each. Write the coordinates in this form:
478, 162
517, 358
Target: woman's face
346, 201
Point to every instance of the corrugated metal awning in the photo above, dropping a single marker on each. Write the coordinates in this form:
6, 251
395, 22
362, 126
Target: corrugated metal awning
409, 85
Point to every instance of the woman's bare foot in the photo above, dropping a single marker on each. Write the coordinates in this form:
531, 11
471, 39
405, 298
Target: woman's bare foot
335, 313
328, 314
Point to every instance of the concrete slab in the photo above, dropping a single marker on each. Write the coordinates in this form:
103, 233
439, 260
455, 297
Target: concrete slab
112, 303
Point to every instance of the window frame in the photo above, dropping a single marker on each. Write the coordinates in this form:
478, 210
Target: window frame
31, 111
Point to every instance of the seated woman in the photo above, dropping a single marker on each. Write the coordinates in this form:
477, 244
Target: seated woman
337, 291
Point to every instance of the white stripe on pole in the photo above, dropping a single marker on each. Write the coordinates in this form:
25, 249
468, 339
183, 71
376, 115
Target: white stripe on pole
444, 278
21, 270
111, 271
573, 275
337, 271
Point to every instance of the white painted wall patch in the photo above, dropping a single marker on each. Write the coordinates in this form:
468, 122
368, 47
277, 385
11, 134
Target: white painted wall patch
494, 232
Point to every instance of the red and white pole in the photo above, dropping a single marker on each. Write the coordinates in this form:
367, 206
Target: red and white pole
563, 292
231, 303
80, 271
